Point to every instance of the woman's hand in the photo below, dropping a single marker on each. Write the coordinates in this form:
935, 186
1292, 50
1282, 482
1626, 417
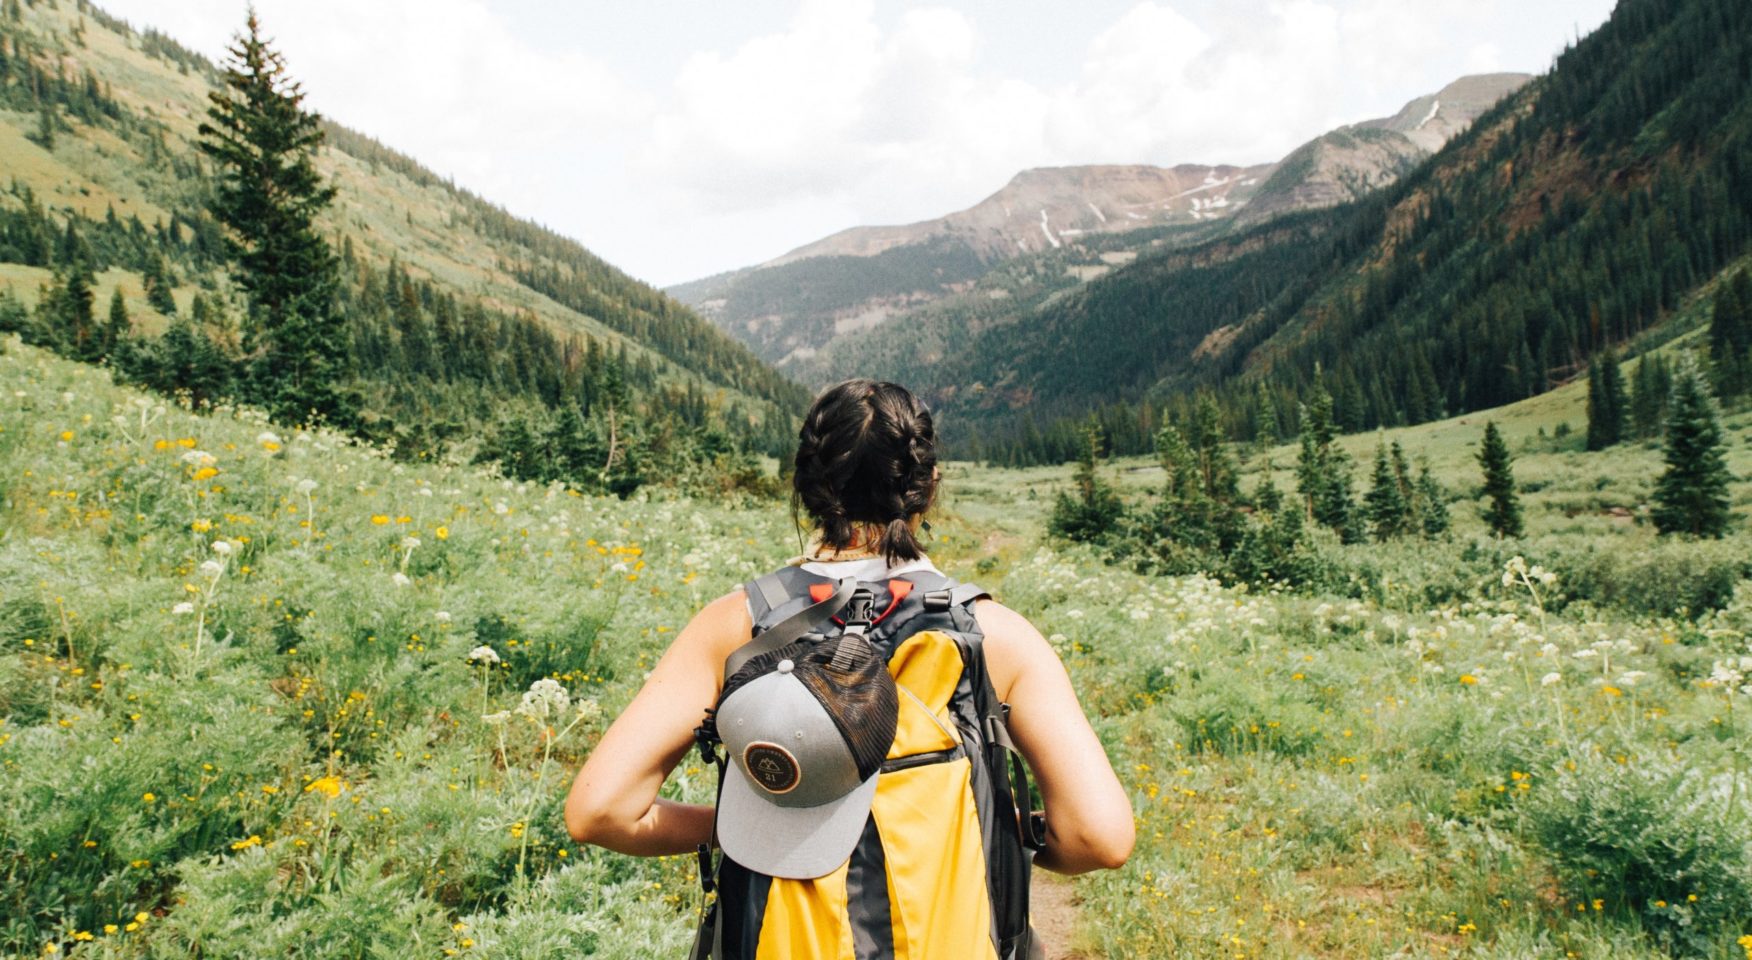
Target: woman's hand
1089, 824
614, 802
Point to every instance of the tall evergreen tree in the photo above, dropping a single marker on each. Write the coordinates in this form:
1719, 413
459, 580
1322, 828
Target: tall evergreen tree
1730, 336
1323, 471
1650, 388
1606, 402
1691, 496
1432, 503
269, 194
119, 324
1385, 503
1504, 512
158, 292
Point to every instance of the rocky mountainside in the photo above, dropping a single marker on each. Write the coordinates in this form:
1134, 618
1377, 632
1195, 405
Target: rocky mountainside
1044, 208
1074, 223
1351, 161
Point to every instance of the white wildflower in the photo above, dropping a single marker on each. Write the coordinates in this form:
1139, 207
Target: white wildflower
222, 547
212, 568
1630, 677
400, 579
442, 616
183, 609
483, 654
306, 486
544, 698
409, 543
1550, 679
497, 719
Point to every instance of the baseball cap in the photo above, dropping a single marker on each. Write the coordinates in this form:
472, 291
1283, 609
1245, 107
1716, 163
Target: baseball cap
806, 728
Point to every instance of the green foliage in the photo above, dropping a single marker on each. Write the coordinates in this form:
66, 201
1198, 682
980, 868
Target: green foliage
1093, 512
1607, 402
1691, 496
1653, 844
1652, 385
1388, 503
1323, 470
1482, 277
1504, 511
269, 194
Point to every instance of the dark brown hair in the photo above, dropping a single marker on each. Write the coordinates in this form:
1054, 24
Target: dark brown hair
867, 456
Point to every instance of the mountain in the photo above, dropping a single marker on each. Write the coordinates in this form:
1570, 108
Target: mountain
461, 314
1077, 222
1595, 207
1351, 161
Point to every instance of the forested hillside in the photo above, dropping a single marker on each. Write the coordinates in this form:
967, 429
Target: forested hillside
461, 318
1577, 215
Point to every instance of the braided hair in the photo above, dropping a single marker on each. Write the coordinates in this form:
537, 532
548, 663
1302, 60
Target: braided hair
867, 457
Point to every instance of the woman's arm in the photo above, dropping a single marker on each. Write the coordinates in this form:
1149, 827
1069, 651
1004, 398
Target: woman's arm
1089, 823
614, 802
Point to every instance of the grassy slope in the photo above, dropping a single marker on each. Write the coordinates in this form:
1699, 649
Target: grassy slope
1275, 806
387, 214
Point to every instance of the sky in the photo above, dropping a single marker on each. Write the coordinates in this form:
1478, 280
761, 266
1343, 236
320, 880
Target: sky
680, 138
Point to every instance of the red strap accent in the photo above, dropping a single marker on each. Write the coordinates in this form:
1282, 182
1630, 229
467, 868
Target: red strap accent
821, 591
898, 589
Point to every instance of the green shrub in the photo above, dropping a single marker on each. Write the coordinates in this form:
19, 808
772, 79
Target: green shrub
1654, 845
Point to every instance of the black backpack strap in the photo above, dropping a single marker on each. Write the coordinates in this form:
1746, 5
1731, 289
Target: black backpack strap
790, 629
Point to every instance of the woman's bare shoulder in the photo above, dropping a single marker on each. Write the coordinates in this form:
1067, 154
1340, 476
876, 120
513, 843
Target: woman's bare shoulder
1013, 645
714, 632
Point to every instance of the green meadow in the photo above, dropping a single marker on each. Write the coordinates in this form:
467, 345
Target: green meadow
239, 715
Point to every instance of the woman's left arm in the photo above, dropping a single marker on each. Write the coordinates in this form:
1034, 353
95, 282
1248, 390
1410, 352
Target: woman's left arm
614, 802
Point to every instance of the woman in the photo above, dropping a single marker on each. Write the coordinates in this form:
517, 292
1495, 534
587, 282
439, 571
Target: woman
865, 474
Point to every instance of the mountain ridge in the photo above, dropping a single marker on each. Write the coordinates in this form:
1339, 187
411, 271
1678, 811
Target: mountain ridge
794, 306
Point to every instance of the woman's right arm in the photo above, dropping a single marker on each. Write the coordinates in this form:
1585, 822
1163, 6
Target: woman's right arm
1089, 823
614, 802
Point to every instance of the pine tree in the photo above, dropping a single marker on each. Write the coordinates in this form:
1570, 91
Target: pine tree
1504, 512
269, 194
1432, 503
45, 131
1651, 386
1323, 471
1094, 511
1730, 337
1606, 402
1385, 504
119, 324
1691, 496
158, 292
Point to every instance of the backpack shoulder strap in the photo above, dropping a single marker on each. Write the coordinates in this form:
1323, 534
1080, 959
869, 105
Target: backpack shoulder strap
793, 626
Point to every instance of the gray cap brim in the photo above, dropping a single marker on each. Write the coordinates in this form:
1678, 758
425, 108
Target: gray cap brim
796, 843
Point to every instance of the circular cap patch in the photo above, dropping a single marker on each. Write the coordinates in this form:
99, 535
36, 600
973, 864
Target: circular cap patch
771, 766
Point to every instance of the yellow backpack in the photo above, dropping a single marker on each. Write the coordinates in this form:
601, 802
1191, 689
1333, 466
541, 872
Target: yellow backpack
941, 870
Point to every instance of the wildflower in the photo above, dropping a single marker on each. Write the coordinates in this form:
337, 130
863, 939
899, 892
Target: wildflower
1630, 677
409, 543
400, 579
305, 486
497, 719
183, 609
442, 533
212, 568
329, 786
379, 519
148, 797
442, 616
222, 547
483, 654
1550, 679
544, 698
1468, 679
66, 436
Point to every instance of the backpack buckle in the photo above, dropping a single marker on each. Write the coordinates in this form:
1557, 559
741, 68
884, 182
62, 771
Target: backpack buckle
936, 601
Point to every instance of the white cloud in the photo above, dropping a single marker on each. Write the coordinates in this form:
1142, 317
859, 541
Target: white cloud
847, 113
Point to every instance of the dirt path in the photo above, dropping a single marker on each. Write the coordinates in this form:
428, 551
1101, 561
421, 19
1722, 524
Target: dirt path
1052, 909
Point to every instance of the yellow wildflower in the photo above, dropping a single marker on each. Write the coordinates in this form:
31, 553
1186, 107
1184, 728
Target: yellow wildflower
330, 786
